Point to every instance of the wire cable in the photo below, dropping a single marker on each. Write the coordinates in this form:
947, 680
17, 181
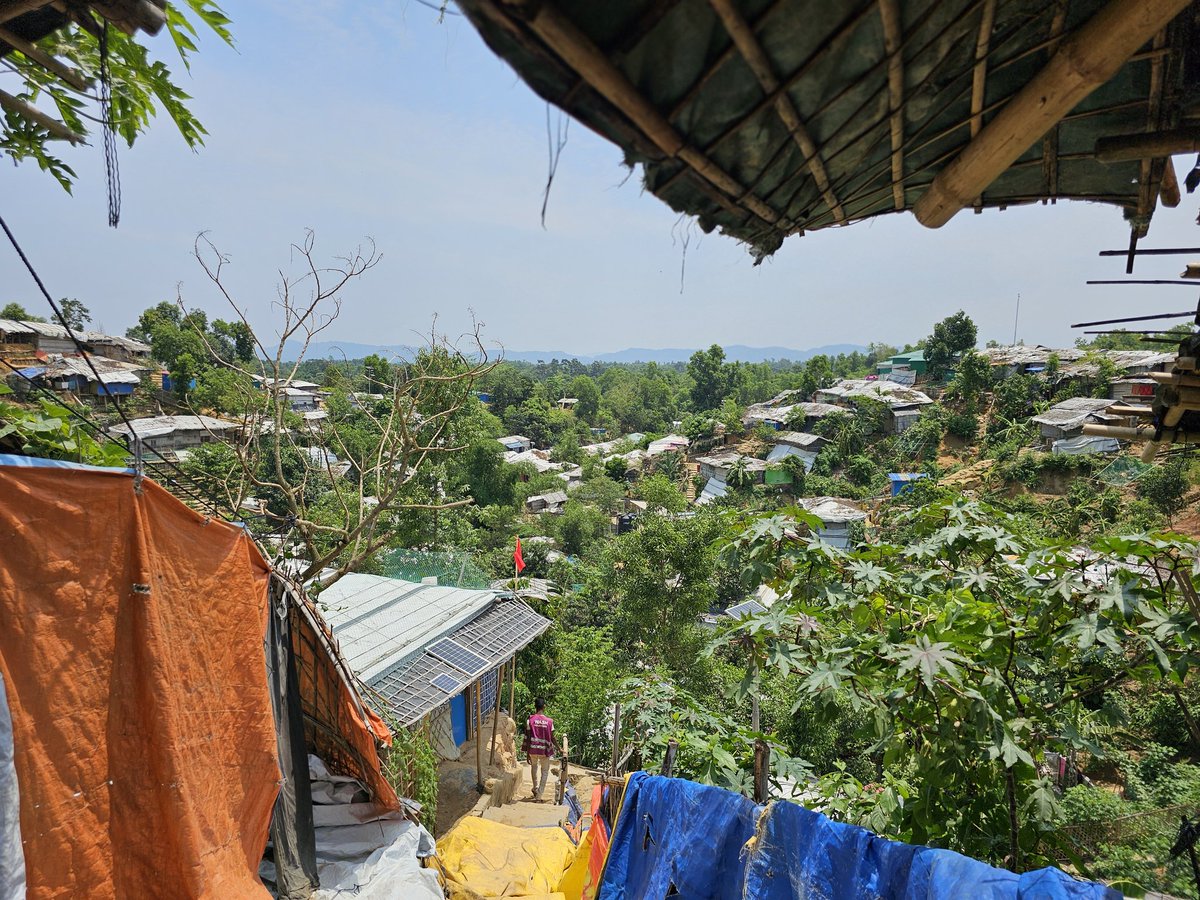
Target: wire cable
83, 352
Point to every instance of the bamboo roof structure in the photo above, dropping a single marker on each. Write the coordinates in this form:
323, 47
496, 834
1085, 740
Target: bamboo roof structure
770, 118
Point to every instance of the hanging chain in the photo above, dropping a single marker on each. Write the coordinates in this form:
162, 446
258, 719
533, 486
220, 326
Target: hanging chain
111, 171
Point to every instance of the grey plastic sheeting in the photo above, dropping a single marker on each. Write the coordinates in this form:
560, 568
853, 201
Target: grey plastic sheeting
12, 858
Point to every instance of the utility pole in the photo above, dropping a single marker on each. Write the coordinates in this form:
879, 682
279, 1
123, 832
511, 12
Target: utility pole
1016, 318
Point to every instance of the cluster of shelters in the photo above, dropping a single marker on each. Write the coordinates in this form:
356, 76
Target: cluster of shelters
1073, 362
44, 355
786, 410
903, 403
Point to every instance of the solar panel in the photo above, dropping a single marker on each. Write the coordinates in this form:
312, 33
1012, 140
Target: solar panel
447, 683
460, 657
745, 608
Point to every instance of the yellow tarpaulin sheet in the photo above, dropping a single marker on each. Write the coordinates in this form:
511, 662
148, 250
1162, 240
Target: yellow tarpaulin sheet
479, 858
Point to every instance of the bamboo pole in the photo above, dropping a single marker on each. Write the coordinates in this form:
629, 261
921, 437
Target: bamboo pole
73, 77
756, 58
562, 36
512, 691
616, 748
1156, 144
18, 8
668, 765
478, 736
496, 713
983, 41
762, 756
1084, 61
33, 114
889, 13
1168, 188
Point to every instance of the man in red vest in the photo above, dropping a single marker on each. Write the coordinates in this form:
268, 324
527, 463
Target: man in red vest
539, 731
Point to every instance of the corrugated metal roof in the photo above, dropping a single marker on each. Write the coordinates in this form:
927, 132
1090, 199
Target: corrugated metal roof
801, 439
1073, 411
889, 392
407, 681
156, 426
379, 620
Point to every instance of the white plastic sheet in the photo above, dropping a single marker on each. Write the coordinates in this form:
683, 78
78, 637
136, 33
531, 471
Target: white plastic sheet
12, 857
364, 851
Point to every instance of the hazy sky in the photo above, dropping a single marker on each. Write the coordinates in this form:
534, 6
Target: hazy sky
371, 119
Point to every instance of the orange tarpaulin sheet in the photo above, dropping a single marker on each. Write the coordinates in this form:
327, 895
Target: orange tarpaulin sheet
132, 650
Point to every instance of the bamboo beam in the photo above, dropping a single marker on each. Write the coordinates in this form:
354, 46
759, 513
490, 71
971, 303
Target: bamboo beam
1084, 61
1050, 155
33, 114
756, 58
73, 77
889, 13
1124, 147
987, 22
1168, 188
17, 8
577, 50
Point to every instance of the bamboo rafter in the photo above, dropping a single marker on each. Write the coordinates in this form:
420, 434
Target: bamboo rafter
582, 55
889, 13
987, 22
1050, 142
755, 57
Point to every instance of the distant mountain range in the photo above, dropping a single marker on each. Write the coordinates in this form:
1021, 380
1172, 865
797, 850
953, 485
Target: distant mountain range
733, 352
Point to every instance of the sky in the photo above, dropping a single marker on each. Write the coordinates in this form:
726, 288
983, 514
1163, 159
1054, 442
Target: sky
375, 121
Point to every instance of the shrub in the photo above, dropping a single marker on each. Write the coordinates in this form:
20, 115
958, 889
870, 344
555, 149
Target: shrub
963, 425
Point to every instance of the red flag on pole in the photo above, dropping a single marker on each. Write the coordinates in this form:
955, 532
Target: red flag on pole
518, 560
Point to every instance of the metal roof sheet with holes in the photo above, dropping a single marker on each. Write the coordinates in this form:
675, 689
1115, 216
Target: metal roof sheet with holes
1074, 411
419, 682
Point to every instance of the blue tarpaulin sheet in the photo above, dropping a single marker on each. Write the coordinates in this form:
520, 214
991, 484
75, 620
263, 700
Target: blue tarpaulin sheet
678, 838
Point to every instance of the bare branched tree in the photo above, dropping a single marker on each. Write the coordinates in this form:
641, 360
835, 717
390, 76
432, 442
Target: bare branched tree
338, 483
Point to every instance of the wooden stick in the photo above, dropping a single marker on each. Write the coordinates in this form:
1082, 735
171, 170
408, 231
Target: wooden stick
73, 77
756, 58
1156, 251
35, 115
987, 22
563, 765
762, 767
496, 713
19, 8
581, 54
1168, 188
668, 765
512, 691
1084, 61
1122, 148
1050, 154
889, 13
478, 737
1174, 378
616, 737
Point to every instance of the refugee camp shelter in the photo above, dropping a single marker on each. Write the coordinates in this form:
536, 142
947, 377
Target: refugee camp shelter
904, 368
800, 444
904, 481
553, 503
516, 443
427, 650
836, 516
175, 432
1066, 419
72, 374
771, 120
672, 443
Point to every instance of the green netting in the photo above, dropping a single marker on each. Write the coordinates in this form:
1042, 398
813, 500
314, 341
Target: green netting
1122, 471
452, 568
